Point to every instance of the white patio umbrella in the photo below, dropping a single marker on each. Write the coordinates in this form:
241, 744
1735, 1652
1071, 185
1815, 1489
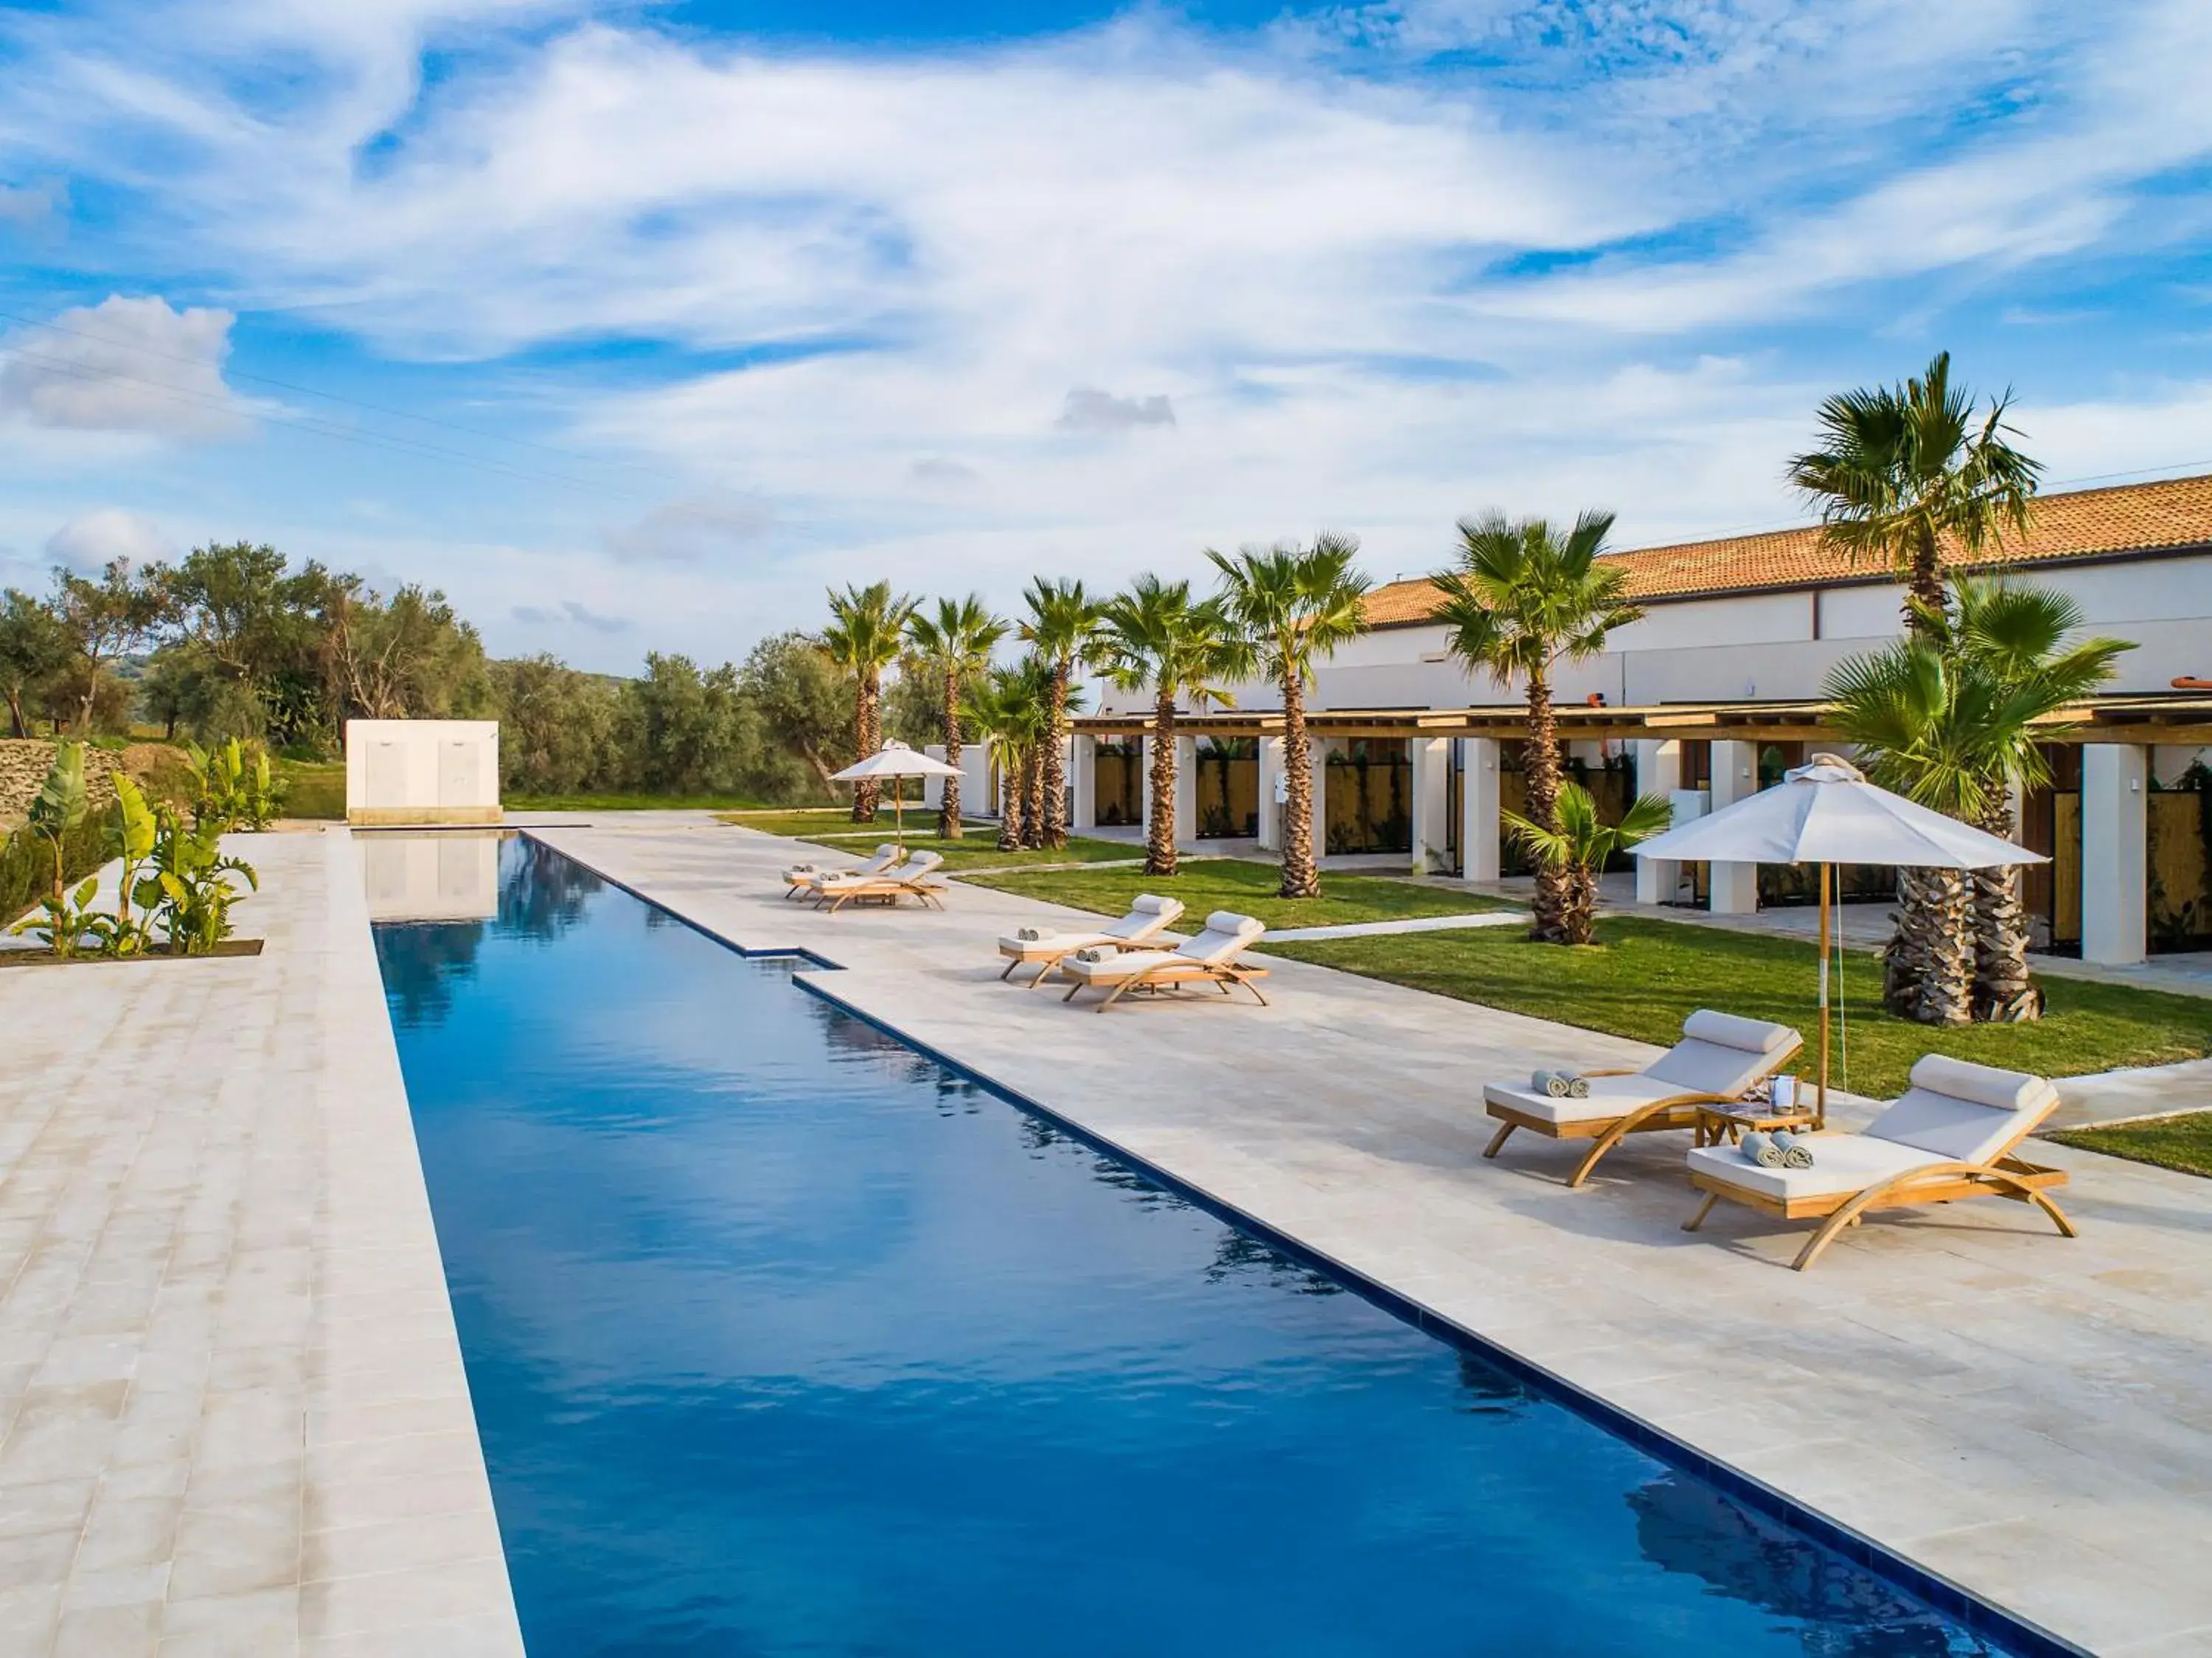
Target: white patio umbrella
896, 761
1827, 812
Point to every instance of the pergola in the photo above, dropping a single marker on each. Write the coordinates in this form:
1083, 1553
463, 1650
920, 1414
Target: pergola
2115, 734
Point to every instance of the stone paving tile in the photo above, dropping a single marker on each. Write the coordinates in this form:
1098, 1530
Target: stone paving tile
222, 1314
2024, 1413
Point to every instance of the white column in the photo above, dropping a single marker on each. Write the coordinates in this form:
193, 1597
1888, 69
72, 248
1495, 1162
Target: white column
1082, 782
933, 788
1186, 792
2115, 843
1735, 777
1478, 808
1271, 812
977, 799
1431, 758
1658, 771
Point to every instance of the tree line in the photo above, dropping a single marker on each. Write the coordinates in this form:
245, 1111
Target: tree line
1954, 715
235, 640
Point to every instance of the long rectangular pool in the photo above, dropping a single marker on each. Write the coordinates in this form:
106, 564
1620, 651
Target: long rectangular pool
785, 1340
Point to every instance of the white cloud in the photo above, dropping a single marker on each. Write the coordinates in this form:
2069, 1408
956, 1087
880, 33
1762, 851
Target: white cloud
570, 610
90, 539
1089, 410
124, 365
686, 531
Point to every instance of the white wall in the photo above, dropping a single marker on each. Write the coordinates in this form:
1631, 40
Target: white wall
402, 771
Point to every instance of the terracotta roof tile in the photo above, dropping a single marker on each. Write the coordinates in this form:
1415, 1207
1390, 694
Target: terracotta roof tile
2084, 523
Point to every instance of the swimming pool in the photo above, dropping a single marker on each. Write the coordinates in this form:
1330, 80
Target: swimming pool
784, 1340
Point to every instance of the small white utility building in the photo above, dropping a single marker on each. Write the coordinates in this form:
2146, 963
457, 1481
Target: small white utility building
421, 772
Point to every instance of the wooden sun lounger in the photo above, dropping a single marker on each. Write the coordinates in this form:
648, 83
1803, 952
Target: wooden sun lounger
1143, 928
803, 883
1208, 959
1951, 1136
1720, 1060
916, 878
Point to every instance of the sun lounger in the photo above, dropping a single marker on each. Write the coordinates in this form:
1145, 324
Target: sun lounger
1148, 918
801, 879
1720, 1059
915, 878
1950, 1135
1208, 959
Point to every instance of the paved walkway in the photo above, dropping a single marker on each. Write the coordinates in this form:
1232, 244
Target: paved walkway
2024, 1415
236, 1423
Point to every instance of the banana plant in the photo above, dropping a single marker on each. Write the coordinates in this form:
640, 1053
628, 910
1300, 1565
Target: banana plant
231, 791
58, 808
189, 888
65, 920
131, 833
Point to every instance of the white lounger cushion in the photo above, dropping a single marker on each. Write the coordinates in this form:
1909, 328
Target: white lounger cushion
1936, 1114
1842, 1163
885, 855
1226, 934
1728, 1031
1147, 916
1609, 1097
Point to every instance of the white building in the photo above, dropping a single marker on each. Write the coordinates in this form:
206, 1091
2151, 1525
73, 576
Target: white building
1716, 687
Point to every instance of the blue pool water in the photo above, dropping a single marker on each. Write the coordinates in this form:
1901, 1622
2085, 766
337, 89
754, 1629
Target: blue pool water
784, 1340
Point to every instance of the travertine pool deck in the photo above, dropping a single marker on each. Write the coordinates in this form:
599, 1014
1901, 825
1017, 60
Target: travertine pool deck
2026, 1415
236, 1422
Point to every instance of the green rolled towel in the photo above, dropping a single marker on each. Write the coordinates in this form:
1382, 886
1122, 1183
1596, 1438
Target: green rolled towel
1761, 1149
1092, 955
1796, 1150
1578, 1088
1550, 1083
1028, 935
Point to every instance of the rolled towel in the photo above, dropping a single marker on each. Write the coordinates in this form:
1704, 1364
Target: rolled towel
801, 869
1551, 1083
1761, 1149
1796, 1150
1578, 1088
1028, 935
1091, 955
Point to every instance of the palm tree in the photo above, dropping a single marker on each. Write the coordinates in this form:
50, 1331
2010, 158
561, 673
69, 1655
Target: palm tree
958, 641
1953, 722
867, 629
1904, 470
1294, 606
1523, 599
2016, 633
1581, 846
1062, 628
1156, 635
1009, 709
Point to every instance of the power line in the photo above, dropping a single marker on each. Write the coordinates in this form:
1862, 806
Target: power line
334, 397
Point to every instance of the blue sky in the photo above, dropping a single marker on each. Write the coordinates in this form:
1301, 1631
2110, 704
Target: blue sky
634, 327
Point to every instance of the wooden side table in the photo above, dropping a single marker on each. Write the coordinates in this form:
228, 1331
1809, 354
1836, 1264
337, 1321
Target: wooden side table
1726, 1125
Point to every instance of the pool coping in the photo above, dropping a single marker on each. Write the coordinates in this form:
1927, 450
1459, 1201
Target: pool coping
1978, 1615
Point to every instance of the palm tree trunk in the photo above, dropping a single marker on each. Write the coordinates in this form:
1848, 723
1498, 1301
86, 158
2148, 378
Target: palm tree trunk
948, 808
1033, 807
867, 716
1300, 872
1928, 966
1010, 814
1924, 587
1578, 916
2005, 991
1159, 826
1540, 764
1056, 764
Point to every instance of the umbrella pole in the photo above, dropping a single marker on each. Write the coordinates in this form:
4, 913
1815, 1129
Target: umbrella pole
1820, 1095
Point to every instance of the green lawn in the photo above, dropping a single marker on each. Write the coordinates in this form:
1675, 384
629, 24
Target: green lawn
808, 823
2182, 1142
1643, 977
313, 788
1248, 887
626, 802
